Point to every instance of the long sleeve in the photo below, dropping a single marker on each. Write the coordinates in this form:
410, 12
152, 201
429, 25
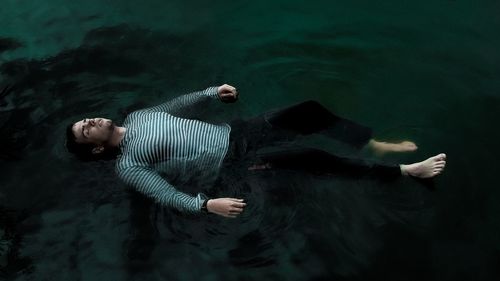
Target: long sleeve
150, 183
178, 105
161, 149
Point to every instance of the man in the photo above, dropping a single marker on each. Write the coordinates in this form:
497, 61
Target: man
156, 146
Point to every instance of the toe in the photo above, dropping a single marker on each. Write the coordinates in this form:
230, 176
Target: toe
435, 158
409, 144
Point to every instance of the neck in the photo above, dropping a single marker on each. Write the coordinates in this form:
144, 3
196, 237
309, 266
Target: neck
116, 138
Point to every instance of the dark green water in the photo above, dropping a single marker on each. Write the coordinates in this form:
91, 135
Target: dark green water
421, 70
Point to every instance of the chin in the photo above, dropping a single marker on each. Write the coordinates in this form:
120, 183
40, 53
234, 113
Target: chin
111, 125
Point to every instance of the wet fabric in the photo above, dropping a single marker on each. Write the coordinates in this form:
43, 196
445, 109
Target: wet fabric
277, 128
160, 150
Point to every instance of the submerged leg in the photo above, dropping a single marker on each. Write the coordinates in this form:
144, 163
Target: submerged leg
311, 117
321, 162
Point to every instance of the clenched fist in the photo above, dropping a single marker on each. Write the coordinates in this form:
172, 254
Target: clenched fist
227, 93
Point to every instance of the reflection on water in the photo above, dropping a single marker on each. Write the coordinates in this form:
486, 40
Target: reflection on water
61, 219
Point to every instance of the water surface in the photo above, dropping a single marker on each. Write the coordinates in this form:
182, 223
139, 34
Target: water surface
422, 70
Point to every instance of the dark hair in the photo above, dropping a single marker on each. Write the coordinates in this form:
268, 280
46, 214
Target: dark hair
83, 151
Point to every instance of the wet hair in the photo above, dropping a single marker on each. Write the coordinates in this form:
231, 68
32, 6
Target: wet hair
83, 151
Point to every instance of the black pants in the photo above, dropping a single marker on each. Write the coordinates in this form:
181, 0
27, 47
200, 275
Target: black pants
247, 136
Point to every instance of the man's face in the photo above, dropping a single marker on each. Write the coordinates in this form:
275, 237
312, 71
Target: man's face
93, 130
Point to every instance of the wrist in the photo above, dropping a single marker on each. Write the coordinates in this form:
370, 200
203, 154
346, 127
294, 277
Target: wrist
217, 92
204, 206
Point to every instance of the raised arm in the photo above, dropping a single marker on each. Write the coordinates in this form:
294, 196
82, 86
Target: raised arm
177, 106
150, 183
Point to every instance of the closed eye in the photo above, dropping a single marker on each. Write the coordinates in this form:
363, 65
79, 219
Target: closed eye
84, 131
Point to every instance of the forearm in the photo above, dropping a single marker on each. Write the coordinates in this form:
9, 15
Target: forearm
180, 104
151, 184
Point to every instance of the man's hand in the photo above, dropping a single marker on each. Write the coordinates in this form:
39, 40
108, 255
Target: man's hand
227, 207
227, 93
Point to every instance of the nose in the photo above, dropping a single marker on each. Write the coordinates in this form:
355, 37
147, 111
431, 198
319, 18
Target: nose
92, 122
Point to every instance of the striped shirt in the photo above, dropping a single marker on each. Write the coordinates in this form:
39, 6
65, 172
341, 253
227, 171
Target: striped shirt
160, 147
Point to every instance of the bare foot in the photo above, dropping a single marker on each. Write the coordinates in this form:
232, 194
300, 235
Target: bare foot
429, 168
384, 147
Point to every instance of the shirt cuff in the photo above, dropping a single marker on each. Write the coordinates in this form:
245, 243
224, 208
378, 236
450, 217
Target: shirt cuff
212, 92
201, 198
